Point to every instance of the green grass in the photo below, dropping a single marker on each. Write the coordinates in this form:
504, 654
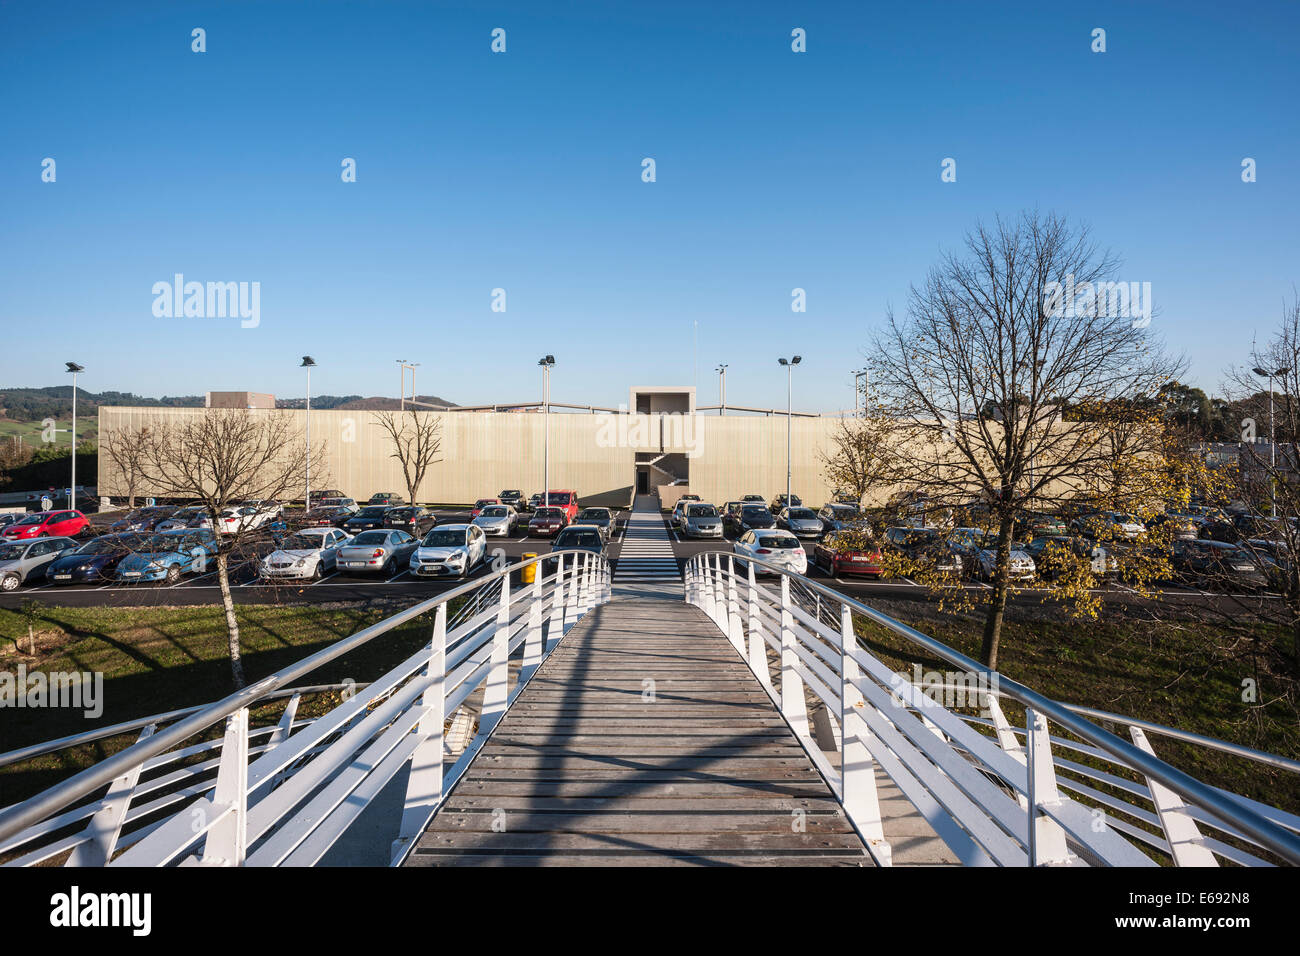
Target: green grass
30, 432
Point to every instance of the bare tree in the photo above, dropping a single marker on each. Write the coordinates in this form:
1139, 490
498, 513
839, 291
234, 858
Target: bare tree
220, 458
997, 345
125, 454
417, 439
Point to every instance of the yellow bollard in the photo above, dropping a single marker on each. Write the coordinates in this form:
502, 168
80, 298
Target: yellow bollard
529, 573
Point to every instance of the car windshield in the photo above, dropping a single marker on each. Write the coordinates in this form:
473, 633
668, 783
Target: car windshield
484, 501
31, 519
559, 498
109, 544
368, 539
755, 513
595, 514
376, 511
578, 538
12, 552
701, 511
918, 535
444, 538
511, 494
159, 543
301, 542
549, 514
843, 511
802, 513
779, 542
495, 511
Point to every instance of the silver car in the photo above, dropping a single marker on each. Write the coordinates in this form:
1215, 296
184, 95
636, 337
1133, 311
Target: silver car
24, 561
701, 521
497, 520
801, 522
377, 550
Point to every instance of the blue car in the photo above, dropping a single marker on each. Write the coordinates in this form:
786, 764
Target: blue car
167, 555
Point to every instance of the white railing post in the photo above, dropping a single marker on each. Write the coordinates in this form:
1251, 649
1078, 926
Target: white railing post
793, 704
757, 638
1186, 844
496, 691
227, 840
857, 766
556, 629
533, 640
424, 784
735, 627
1046, 836
692, 591
106, 825
571, 606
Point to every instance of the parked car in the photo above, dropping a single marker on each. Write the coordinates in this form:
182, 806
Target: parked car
701, 520
1108, 526
327, 516
779, 503
927, 547
368, 518
235, 519
182, 518
1056, 554
348, 504
481, 504
412, 519
308, 553
382, 550
981, 560
514, 498
756, 499
576, 537
547, 522
747, 517
499, 521
453, 549
775, 547
1174, 525
678, 514
320, 499
1207, 564
23, 561
95, 561
836, 516
1038, 524
835, 555
801, 522
47, 524
534, 501
1233, 528
9, 518
142, 519
267, 509
386, 498
566, 501
166, 555
602, 518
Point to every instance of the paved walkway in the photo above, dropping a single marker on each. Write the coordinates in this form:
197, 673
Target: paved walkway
646, 566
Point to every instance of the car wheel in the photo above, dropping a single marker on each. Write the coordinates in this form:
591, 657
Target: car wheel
9, 582
318, 572
173, 575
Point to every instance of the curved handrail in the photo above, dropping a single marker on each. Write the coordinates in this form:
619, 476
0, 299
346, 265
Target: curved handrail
1268, 834
16, 818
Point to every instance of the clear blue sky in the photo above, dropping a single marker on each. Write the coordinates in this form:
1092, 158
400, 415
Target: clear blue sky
523, 171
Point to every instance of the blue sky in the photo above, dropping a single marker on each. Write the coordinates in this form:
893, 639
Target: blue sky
522, 171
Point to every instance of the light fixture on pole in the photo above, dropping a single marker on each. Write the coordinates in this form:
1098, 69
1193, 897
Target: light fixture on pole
74, 368
861, 375
308, 362
402, 386
1272, 445
722, 389
547, 362
789, 393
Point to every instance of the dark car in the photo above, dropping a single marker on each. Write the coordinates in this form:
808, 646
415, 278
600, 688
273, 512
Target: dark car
1172, 524
95, 561
412, 519
747, 517
327, 516
386, 498
602, 518
514, 498
1057, 554
142, 519
927, 547
547, 522
367, 519
1206, 564
320, 498
576, 537
779, 503
1233, 528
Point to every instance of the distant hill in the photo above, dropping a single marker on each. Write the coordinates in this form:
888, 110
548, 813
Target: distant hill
377, 403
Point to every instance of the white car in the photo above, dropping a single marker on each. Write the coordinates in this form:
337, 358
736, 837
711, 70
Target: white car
498, 520
308, 553
1022, 567
451, 549
774, 546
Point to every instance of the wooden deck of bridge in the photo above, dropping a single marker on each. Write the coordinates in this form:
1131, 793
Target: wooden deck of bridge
596, 765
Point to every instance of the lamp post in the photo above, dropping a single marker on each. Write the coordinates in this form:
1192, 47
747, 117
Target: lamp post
789, 393
402, 386
861, 375
74, 368
1272, 444
547, 362
722, 389
308, 362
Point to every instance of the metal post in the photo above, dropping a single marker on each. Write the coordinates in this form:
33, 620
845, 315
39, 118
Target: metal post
497, 691
793, 705
555, 630
789, 393
72, 489
857, 766
306, 501
1272, 442
425, 782
227, 840
735, 629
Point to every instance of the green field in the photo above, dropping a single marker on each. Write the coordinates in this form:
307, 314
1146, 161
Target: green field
30, 432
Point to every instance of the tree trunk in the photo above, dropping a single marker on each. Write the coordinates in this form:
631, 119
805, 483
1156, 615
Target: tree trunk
232, 623
1001, 587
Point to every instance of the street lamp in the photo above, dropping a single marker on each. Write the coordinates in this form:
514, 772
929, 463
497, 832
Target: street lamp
308, 362
861, 375
789, 387
722, 389
402, 376
547, 362
1272, 446
74, 368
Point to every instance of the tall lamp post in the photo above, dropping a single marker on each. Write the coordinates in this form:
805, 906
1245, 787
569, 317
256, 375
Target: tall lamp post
1272, 444
402, 375
722, 389
861, 375
547, 362
789, 393
308, 362
74, 368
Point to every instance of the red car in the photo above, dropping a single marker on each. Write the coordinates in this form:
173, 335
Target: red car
547, 522
61, 524
566, 501
834, 562
483, 503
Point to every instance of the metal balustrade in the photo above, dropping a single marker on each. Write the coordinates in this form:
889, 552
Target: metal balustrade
284, 794
996, 794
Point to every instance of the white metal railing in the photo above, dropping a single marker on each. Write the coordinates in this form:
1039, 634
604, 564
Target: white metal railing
284, 794
996, 794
